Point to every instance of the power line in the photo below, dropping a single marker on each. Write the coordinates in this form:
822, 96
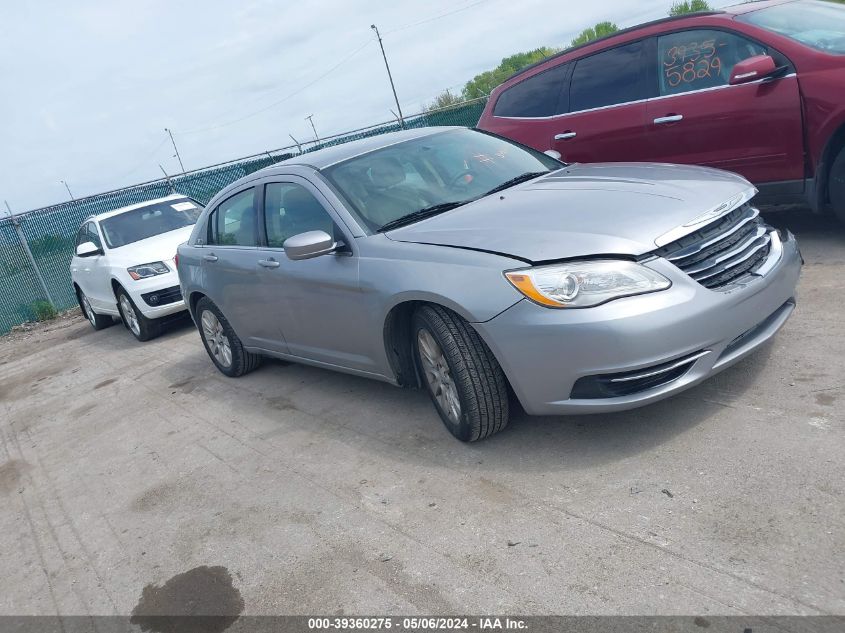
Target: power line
145, 160
330, 70
433, 18
296, 92
283, 99
424, 98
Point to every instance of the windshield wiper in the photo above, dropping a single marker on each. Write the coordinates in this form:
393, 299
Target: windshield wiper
515, 181
423, 213
426, 212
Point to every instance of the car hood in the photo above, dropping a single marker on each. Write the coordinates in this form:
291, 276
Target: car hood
158, 248
590, 209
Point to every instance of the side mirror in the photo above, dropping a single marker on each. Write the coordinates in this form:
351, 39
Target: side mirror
752, 69
308, 245
88, 249
554, 154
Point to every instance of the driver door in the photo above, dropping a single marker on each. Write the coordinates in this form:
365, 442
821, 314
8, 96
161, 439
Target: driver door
317, 304
101, 294
80, 267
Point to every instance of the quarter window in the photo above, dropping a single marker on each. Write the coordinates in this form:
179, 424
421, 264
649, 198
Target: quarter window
609, 78
695, 60
537, 96
233, 222
290, 209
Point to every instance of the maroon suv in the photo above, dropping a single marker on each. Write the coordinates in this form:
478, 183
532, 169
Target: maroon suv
758, 89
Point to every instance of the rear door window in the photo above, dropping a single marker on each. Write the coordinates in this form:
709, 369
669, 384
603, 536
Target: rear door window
699, 59
612, 77
537, 96
233, 222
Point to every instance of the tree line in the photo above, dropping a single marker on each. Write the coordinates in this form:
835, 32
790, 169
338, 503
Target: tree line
483, 83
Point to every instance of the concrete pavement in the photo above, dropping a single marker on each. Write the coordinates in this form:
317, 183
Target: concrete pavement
127, 465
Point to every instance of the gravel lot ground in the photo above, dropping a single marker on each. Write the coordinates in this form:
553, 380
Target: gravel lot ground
127, 465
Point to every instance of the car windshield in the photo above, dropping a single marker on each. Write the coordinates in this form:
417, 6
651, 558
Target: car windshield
811, 22
408, 181
154, 219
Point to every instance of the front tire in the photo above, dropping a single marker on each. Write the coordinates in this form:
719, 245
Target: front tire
836, 186
460, 373
97, 321
141, 327
222, 343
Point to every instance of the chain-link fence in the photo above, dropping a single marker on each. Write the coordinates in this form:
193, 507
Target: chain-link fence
36, 247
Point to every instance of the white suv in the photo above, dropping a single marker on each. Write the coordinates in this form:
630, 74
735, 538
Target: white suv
123, 263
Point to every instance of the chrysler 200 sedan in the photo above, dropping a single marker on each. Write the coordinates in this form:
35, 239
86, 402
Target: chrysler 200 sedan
481, 270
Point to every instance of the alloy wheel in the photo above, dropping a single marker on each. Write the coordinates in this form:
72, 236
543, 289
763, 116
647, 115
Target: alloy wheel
89, 313
130, 316
218, 342
438, 375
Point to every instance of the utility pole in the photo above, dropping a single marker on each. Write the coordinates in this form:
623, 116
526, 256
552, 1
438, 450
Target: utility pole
298, 144
169, 182
176, 149
22, 239
66, 187
310, 119
389, 76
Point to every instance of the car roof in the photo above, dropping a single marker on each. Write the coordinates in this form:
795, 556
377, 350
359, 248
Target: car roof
728, 12
322, 158
130, 207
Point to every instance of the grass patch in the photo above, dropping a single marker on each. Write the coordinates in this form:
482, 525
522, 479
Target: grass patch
43, 310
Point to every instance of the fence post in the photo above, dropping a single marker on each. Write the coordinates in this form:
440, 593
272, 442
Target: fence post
22, 239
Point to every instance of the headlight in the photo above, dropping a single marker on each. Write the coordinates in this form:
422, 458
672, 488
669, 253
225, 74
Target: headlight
582, 284
143, 271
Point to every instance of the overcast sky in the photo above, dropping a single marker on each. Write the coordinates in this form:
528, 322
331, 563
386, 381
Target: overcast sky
90, 85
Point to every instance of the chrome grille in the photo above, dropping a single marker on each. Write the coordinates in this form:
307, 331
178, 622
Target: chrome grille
724, 250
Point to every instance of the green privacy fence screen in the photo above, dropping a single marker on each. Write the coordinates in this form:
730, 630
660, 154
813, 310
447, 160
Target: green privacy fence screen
49, 232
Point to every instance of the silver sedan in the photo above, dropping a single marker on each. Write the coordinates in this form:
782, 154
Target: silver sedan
466, 264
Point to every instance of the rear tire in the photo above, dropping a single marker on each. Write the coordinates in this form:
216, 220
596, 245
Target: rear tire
460, 373
222, 343
140, 326
97, 321
836, 186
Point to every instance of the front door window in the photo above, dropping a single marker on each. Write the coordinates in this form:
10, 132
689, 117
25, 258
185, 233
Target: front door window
290, 209
695, 60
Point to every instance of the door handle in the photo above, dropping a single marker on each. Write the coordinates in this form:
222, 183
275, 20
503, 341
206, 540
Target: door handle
268, 263
670, 118
210, 258
565, 135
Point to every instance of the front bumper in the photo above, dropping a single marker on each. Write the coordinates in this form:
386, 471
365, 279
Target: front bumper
154, 297
544, 352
